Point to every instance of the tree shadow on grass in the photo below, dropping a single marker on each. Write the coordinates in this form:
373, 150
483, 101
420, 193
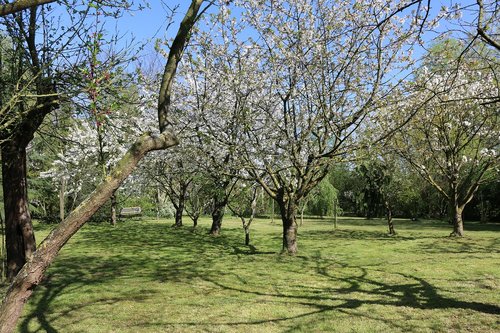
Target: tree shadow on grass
67, 276
417, 293
357, 234
162, 254
152, 251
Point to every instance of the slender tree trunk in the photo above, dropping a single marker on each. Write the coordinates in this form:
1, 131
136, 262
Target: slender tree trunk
3, 271
389, 218
335, 214
32, 272
113, 209
302, 214
245, 224
19, 235
272, 210
195, 221
483, 208
247, 235
62, 201
158, 203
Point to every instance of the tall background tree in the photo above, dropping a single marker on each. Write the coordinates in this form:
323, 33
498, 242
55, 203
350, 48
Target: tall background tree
452, 139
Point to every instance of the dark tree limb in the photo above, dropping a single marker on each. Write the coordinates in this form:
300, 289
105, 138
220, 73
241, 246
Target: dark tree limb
17, 6
174, 56
481, 29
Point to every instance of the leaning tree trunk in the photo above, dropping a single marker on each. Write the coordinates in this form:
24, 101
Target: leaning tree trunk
19, 235
32, 272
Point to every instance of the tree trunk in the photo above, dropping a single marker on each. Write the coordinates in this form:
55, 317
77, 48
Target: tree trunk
389, 218
178, 213
158, 203
455, 209
182, 204
289, 234
458, 225
19, 235
335, 214
195, 221
302, 214
113, 209
217, 216
3, 271
247, 235
32, 272
288, 210
484, 208
272, 210
62, 204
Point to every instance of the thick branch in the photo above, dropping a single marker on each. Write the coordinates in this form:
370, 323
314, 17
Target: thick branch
481, 29
174, 56
17, 6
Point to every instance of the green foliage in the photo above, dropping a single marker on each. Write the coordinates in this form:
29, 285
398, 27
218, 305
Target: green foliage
376, 177
484, 206
240, 201
323, 199
344, 178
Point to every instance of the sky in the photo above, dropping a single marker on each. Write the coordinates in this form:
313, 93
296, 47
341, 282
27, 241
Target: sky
150, 23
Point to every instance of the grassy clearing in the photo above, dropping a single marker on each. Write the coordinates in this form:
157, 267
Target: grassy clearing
143, 276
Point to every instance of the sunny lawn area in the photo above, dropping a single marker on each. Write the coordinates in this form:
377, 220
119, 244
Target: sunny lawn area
144, 276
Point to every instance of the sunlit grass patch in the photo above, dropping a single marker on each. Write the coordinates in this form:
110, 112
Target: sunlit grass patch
144, 276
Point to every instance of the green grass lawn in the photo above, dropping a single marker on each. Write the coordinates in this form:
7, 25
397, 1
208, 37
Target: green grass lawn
144, 276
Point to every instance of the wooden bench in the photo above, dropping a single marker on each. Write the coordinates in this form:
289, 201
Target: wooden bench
130, 211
